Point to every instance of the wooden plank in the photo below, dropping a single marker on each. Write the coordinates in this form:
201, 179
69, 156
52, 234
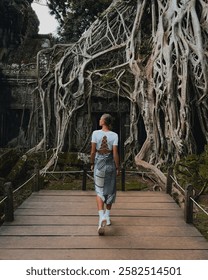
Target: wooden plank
92, 193
91, 212
60, 224
78, 205
104, 254
104, 242
90, 230
92, 220
80, 198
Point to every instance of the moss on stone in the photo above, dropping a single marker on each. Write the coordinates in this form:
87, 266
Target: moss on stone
7, 160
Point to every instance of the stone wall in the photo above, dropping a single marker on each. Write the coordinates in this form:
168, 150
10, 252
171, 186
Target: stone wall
18, 80
19, 45
18, 21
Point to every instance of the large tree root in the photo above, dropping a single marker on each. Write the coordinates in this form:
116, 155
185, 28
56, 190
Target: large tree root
152, 53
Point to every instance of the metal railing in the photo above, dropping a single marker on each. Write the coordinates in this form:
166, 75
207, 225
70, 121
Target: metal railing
188, 194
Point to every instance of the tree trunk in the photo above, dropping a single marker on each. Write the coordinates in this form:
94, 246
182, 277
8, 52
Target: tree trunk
152, 53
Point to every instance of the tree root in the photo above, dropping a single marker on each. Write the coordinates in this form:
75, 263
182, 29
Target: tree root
151, 53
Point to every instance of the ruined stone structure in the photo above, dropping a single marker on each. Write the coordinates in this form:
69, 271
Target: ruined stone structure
16, 86
19, 44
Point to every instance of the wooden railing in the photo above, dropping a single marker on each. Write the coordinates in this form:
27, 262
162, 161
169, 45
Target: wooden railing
188, 193
8, 201
36, 183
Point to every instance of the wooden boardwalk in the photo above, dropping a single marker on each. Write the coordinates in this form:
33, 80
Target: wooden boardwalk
63, 225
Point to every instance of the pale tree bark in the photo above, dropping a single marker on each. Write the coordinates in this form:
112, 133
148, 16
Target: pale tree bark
154, 54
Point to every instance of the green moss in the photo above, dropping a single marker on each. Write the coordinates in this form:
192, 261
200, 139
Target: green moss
201, 223
18, 170
193, 170
69, 159
133, 185
108, 77
7, 160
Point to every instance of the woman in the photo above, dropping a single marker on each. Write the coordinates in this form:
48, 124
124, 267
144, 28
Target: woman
105, 163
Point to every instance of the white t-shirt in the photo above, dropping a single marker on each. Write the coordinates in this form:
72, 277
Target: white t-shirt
110, 137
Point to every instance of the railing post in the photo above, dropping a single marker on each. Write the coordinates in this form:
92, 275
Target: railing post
36, 185
123, 178
9, 204
169, 181
188, 210
84, 178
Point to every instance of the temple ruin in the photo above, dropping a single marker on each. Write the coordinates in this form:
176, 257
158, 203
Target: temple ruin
20, 43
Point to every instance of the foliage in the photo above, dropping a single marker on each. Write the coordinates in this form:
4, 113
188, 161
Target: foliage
193, 170
75, 16
201, 223
17, 21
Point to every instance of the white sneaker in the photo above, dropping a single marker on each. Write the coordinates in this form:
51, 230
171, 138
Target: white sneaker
101, 227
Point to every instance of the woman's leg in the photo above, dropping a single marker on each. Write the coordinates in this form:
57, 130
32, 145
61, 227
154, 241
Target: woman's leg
107, 214
108, 206
102, 219
100, 203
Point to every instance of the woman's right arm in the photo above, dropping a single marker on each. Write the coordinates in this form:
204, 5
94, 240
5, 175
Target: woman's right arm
116, 158
92, 154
